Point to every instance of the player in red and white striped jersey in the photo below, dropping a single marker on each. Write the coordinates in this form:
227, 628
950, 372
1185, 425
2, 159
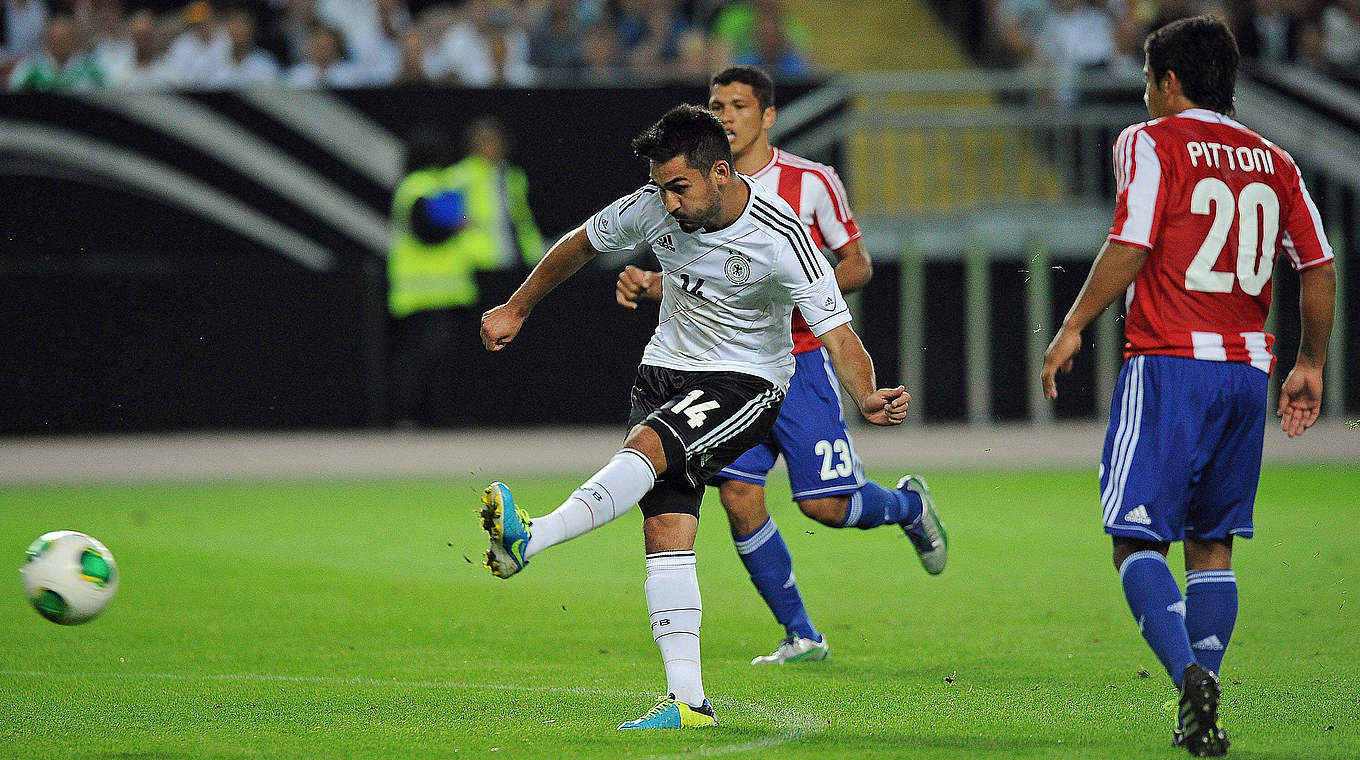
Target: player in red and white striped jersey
1183, 302
1204, 207
818, 197
825, 473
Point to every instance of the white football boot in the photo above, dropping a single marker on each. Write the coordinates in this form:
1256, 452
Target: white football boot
795, 649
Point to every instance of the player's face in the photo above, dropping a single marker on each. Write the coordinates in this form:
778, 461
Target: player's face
736, 107
692, 197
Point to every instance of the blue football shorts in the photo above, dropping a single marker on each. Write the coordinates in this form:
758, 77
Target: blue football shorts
811, 434
1182, 454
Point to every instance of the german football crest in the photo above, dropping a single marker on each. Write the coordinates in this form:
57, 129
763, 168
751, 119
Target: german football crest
737, 268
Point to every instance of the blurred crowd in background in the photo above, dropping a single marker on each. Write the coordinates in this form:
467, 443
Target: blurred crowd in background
1084, 35
216, 44
223, 44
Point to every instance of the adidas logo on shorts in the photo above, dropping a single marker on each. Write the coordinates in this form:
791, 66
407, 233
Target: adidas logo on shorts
1138, 515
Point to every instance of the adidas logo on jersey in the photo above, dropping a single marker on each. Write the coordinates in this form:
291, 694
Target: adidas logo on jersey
1138, 515
667, 243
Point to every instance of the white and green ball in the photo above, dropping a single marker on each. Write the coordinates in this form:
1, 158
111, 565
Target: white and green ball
69, 577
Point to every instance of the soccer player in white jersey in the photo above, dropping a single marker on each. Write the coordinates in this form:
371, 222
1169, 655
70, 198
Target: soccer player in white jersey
736, 261
1204, 207
825, 473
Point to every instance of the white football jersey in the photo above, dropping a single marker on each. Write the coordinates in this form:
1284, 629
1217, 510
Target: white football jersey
728, 295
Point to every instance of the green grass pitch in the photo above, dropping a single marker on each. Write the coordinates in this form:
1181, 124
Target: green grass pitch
345, 620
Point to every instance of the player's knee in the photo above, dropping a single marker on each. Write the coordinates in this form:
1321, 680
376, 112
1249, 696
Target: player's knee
1127, 547
740, 496
828, 511
1212, 554
645, 440
671, 531
745, 506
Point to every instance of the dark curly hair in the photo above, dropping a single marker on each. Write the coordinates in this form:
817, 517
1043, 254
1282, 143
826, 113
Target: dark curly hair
1203, 53
686, 130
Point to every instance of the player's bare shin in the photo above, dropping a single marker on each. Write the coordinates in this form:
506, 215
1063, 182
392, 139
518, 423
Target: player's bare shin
745, 506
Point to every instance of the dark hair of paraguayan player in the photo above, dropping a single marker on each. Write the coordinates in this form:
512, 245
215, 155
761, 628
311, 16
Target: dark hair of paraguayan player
686, 130
1203, 53
762, 86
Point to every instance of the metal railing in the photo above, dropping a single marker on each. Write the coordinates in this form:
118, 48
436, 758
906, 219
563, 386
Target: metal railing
979, 166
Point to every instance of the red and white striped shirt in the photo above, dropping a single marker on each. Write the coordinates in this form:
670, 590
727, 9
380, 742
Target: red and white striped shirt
818, 198
1213, 203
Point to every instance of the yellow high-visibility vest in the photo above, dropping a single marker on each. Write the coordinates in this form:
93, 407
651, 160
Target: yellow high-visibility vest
422, 277
483, 236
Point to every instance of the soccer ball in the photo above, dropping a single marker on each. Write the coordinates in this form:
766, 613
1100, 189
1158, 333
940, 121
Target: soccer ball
70, 577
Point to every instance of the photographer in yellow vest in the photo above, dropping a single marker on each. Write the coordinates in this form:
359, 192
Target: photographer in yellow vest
448, 223
500, 231
430, 273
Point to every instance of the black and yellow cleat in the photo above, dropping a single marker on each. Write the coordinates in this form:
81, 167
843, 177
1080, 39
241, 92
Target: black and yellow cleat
1198, 729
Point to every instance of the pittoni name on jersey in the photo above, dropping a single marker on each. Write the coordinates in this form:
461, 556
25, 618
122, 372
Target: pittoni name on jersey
1236, 158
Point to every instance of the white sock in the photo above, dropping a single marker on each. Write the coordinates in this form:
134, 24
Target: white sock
609, 493
672, 588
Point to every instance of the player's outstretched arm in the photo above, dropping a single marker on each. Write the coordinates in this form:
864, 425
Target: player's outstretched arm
1114, 270
501, 324
1301, 394
881, 406
635, 284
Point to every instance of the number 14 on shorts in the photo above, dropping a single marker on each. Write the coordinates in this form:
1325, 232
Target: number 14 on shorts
695, 413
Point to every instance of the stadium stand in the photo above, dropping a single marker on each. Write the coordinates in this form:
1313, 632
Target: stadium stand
228, 44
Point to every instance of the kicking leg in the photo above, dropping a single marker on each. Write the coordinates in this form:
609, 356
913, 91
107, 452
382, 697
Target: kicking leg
606, 495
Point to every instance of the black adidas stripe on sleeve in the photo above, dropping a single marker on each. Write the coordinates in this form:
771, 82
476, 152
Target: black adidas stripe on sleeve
788, 238
807, 255
635, 197
808, 264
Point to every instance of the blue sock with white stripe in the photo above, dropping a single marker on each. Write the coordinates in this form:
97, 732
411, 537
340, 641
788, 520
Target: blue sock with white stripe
873, 505
1210, 613
767, 559
1157, 605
